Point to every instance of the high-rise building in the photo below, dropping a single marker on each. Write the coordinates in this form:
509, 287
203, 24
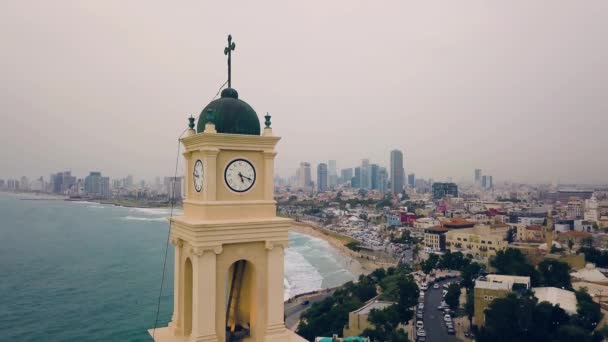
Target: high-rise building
490, 182
411, 180
128, 182
366, 175
173, 188
484, 181
304, 175
346, 175
356, 180
92, 184
441, 190
332, 173
374, 176
477, 176
25, 183
105, 187
322, 177
62, 182
397, 172
382, 180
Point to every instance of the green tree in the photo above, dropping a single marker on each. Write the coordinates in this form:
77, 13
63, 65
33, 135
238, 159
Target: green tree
430, 263
588, 312
470, 273
385, 323
453, 295
512, 262
554, 273
469, 307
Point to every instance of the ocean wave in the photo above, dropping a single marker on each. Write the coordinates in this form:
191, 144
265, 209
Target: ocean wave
95, 206
152, 211
300, 275
135, 218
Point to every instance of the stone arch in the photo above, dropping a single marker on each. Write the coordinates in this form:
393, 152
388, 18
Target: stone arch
240, 299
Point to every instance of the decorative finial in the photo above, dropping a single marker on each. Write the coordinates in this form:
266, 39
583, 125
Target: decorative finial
191, 124
267, 122
228, 51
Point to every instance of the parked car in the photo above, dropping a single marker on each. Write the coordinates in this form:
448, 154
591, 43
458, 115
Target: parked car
436, 286
421, 332
419, 325
447, 318
421, 339
451, 331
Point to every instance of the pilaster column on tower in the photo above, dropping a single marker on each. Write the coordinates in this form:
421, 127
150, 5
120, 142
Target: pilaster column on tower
275, 310
176, 320
187, 176
268, 174
209, 155
204, 293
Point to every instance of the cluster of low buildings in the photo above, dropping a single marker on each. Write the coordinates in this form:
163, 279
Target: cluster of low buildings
97, 186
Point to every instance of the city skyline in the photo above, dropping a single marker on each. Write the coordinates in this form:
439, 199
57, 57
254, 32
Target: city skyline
514, 89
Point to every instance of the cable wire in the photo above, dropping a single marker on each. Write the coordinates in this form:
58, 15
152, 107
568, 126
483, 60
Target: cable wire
172, 200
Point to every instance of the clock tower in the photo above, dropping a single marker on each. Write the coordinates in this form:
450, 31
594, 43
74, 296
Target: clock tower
229, 243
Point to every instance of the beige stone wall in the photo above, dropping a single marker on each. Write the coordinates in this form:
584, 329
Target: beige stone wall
483, 298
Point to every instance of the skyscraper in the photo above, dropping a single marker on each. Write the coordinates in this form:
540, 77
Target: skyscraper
397, 172
346, 175
374, 176
305, 176
411, 180
490, 182
484, 181
477, 176
382, 179
366, 175
322, 177
356, 180
332, 173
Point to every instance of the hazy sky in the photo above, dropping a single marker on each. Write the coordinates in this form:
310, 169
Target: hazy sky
517, 88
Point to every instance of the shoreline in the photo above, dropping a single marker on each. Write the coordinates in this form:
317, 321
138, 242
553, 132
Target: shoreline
358, 265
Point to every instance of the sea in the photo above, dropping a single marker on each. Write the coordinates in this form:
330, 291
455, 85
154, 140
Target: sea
82, 271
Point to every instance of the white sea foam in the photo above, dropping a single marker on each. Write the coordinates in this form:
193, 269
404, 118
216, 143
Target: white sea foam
135, 218
300, 275
95, 206
152, 211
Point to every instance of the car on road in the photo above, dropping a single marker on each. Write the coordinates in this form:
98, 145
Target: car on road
423, 287
420, 325
451, 331
447, 318
421, 339
436, 286
421, 332
306, 302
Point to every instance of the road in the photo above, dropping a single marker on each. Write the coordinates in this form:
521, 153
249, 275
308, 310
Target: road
434, 325
295, 309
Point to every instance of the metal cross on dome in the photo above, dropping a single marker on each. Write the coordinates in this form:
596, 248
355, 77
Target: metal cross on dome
228, 51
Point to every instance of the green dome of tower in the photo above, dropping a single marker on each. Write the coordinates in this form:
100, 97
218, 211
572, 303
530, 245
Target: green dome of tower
230, 115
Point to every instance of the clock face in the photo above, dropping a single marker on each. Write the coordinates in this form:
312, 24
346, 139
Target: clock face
197, 174
239, 175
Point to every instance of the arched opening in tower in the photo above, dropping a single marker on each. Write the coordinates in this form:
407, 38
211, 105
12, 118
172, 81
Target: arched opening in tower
239, 287
187, 297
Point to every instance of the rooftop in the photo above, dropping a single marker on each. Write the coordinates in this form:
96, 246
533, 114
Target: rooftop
501, 282
556, 296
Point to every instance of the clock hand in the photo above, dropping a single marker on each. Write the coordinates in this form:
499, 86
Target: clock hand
247, 178
240, 175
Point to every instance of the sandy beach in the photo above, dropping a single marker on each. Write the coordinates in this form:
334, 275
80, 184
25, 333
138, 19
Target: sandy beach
359, 264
